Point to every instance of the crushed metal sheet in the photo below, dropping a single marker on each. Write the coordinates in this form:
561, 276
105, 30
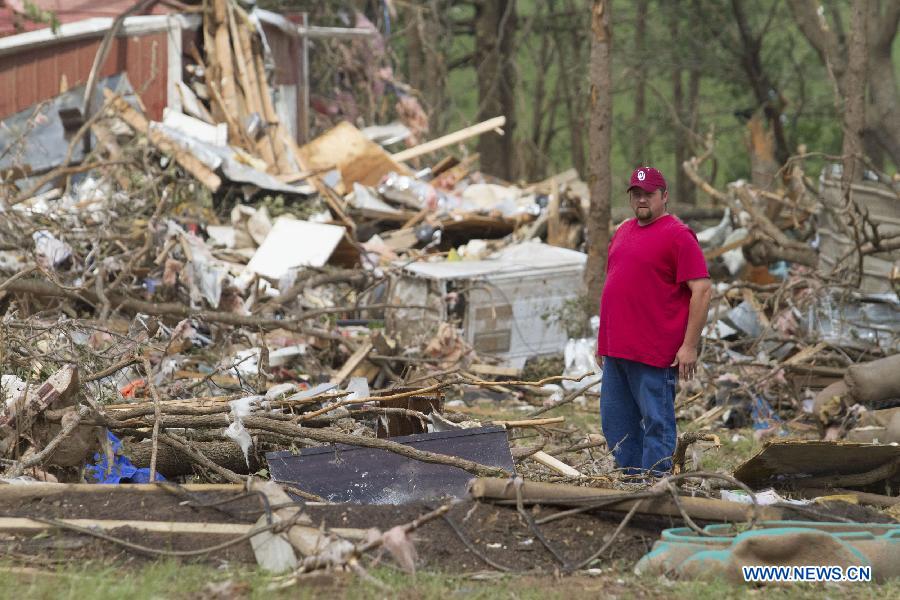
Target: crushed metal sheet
361, 475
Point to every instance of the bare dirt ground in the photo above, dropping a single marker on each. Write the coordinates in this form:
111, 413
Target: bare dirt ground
497, 533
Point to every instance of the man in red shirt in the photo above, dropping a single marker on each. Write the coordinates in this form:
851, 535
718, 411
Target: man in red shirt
653, 308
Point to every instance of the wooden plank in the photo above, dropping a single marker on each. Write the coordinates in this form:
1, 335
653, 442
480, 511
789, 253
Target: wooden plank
42, 490
556, 464
530, 422
715, 253
224, 61
24, 524
495, 370
276, 131
450, 139
400, 239
243, 50
139, 123
805, 354
357, 357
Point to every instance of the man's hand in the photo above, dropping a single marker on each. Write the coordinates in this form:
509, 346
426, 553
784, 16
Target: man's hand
686, 361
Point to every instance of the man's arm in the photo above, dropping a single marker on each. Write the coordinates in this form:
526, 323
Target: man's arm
686, 358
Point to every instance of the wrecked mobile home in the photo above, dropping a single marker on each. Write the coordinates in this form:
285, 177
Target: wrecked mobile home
233, 333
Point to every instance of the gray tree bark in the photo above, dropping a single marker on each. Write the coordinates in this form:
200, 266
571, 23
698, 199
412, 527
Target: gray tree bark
854, 120
600, 142
639, 143
495, 27
427, 68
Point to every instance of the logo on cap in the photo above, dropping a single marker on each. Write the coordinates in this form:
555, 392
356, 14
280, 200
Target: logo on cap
641, 175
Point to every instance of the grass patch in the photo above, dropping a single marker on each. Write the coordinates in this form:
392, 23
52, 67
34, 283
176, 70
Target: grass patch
732, 452
170, 579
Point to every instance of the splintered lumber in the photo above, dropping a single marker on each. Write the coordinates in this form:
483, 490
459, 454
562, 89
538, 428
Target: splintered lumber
450, 139
243, 51
141, 125
558, 494
223, 59
361, 353
276, 131
556, 464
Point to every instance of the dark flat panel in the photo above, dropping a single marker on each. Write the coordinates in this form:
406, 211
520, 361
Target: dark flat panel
795, 460
371, 476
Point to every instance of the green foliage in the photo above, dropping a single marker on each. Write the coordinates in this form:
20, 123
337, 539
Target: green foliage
553, 54
573, 316
36, 14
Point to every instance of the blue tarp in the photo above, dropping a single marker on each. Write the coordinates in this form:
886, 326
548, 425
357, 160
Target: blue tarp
120, 471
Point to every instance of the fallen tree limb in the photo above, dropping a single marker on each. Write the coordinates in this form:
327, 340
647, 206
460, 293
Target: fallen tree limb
172, 462
37, 458
570, 495
184, 447
684, 442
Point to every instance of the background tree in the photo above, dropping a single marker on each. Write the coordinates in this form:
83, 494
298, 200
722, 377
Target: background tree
600, 140
825, 32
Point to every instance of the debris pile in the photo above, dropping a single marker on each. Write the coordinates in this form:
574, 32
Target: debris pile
204, 301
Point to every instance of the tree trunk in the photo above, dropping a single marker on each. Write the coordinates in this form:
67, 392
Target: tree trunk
693, 106
600, 141
172, 463
855, 95
576, 105
768, 96
495, 26
639, 142
678, 193
883, 114
427, 69
882, 123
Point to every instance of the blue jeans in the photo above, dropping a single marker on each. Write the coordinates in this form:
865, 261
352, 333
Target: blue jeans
637, 412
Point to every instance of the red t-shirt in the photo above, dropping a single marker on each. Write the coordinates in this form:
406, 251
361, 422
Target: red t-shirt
645, 302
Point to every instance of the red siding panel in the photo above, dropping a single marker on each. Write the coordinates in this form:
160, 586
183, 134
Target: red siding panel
8, 85
47, 84
26, 84
33, 75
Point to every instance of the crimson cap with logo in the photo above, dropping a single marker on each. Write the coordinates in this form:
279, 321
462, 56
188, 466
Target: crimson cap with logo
648, 179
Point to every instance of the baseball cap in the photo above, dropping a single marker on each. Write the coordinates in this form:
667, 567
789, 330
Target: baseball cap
648, 179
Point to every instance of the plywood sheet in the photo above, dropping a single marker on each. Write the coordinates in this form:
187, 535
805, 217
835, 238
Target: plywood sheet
358, 159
